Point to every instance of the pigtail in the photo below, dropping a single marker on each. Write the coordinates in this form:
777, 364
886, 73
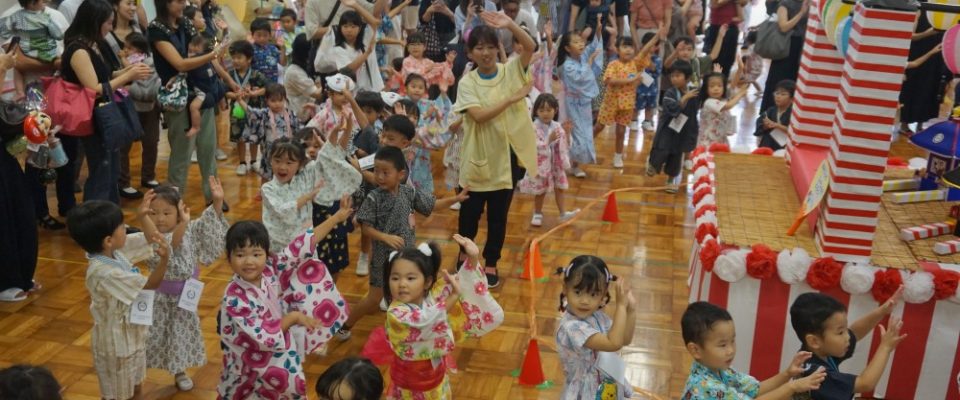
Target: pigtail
435, 258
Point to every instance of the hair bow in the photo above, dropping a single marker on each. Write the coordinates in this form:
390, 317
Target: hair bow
423, 248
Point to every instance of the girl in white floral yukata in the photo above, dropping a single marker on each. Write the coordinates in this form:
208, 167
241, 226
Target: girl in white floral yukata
280, 305
174, 342
425, 321
297, 182
585, 330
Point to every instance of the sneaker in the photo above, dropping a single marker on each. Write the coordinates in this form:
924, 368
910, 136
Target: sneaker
537, 219
242, 169
363, 264
343, 334
688, 165
672, 188
130, 193
383, 304
221, 155
648, 126
567, 215
577, 172
184, 383
650, 170
455, 207
618, 160
193, 157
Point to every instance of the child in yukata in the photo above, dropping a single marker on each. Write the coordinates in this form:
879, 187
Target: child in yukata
266, 125
38, 36
425, 320
709, 334
118, 345
280, 305
385, 218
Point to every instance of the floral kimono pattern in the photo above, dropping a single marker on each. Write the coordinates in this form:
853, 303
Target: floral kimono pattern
553, 159
440, 74
260, 359
326, 120
418, 339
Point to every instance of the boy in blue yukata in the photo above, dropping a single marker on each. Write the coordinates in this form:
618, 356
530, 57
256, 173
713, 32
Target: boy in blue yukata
709, 335
820, 322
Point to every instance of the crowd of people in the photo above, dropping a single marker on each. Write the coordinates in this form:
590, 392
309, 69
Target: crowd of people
337, 105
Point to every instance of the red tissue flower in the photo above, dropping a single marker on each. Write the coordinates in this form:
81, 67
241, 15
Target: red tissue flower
706, 229
709, 253
945, 283
761, 262
896, 162
719, 148
703, 180
885, 284
701, 163
697, 151
763, 151
824, 273
700, 193
703, 210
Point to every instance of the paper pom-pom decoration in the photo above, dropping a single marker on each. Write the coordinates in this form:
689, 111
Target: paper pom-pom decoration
708, 199
709, 253
857, 278
731, 266
698, 151
918, 287
703, 210
951, 49
945, 284
700, 193
792, 266
943, 20
704, 230
703, 182
824, 273
709, 217
843, 35
885, 284
701, 172
763, 151
761, 262
719, 148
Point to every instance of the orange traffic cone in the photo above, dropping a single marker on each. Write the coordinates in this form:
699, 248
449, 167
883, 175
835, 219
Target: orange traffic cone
531, 373
610, 211
537, 267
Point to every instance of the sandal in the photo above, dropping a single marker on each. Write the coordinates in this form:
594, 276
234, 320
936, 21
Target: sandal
13, 295
493, 279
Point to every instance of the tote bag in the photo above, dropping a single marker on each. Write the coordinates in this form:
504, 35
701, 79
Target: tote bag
69, 105
772, 43
116, 120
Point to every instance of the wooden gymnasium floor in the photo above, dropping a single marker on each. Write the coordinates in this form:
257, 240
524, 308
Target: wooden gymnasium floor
649, 248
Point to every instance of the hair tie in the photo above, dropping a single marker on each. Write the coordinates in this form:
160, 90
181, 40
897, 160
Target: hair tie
425, 249
393, 254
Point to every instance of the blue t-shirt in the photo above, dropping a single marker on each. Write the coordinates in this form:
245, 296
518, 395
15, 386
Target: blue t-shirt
838, 385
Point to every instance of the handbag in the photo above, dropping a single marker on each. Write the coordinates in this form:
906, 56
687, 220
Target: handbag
772, 43
116, 119
173, 96
431, 39
70, 105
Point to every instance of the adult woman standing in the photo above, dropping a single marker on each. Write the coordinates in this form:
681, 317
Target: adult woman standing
301, 89
126, 24
18, 232
169, 35
791, 17
498, 133
86, 62
724, 12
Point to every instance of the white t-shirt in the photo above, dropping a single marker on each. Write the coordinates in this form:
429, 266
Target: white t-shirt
69, 9
318, 11
524, 19
332, 58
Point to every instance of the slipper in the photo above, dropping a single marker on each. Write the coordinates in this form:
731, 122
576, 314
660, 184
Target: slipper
13, 294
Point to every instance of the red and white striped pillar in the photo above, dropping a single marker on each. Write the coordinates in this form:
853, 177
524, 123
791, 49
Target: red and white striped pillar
862, 128
818, 83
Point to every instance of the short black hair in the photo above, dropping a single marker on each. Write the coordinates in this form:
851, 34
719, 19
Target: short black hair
241, 47
368, 99
698, 319
483, 35
28, 382
647, 37
392, 155
358, 373
290, 148
683, 39
397, 64
247, 234
682, 67
168, 193
810, 311
288, 12
198, 40
416, 38
259, 24
138, 41
91, 222
787, 85
586, 273
414, 77
401, 125
305, 135
625, 41
274, 90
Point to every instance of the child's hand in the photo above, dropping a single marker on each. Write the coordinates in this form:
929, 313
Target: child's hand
346, 209
691, 94
307, 322
469, 247
892, 337
316, 188
768, 123
393, 241
631, 301
796, 365
463, 195
567, 126
585, 33
216, 191
887, 307
723, 30
161, 248
354, 162
523, 92
454, 283
451, 56
717, 68
548, 29
622, 292
398, 109
146, 204
184, 213
808, 383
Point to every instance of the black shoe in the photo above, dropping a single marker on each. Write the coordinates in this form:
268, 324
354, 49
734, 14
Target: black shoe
493, 280
150, 184
51, 224
130, 193
131, 230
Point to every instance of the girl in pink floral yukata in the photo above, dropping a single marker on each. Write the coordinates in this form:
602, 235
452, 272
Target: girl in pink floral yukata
277, 308
424, 320
436, 73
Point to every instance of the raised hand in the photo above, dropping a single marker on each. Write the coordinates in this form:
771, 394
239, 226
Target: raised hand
796, 365
161, 248
454, 283
184, 213
393, 241
810, 382
216, 192
146, 204
469, 247
496, 20
346, 208
890, 336
887, 306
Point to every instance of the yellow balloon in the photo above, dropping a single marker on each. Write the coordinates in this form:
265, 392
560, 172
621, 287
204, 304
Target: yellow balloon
833, 13
943, 20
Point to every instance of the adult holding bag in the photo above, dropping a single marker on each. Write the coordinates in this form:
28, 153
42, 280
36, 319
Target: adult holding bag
169, 35
84, 62
791, 19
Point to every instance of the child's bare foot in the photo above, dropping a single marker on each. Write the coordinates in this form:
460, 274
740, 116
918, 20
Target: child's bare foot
192, 132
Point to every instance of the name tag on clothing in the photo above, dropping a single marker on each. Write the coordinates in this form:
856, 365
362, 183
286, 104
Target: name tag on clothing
367, 162
780, 136
190, 296
141, 310
678, 122
646, 79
